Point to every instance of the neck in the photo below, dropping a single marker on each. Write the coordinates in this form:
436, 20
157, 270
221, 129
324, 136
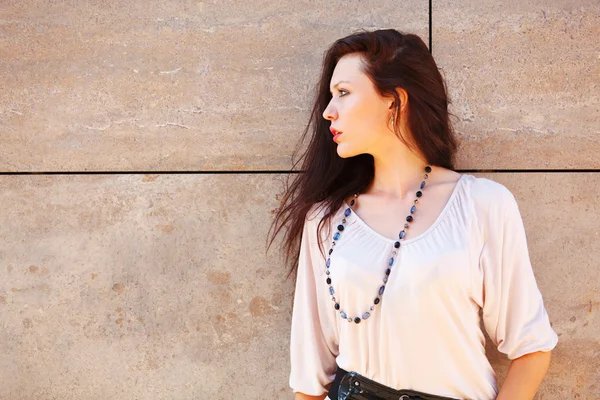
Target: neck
398, 172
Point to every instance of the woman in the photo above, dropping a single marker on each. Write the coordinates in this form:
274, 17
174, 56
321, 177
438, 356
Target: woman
396, 253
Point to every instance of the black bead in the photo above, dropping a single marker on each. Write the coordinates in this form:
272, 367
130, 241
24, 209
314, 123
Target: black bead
340, 227
337, 306
428, 169
419, 193
329, 281
357, 320
376, 300
351, 202
330, 251
409, 218
397, 244
387, 271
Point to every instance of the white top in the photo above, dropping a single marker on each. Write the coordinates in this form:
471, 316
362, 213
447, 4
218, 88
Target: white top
425, 334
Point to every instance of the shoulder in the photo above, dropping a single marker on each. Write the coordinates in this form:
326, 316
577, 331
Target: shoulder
312, 223
321, 209
492, 203
316, 212
488, 194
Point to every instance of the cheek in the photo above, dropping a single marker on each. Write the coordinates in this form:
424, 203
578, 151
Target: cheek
369, 105
358, 113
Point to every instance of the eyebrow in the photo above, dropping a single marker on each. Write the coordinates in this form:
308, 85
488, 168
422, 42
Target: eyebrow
336, 85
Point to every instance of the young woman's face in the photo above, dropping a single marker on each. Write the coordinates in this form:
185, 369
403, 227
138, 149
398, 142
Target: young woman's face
357, 110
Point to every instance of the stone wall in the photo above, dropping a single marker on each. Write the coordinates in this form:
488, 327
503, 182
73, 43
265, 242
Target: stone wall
143, 146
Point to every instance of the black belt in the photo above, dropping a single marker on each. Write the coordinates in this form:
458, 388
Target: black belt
351, 385
333, 390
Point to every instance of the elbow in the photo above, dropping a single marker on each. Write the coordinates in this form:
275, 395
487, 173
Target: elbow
302, 396
540, 359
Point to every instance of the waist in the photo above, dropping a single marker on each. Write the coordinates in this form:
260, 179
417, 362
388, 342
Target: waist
387, 393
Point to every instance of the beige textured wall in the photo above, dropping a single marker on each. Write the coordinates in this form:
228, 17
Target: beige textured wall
135, 284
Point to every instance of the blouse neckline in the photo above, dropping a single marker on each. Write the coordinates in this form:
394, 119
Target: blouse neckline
437, 221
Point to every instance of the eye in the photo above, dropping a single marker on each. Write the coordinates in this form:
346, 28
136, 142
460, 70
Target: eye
343, 92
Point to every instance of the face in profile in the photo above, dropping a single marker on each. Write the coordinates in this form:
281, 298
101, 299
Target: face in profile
357, 110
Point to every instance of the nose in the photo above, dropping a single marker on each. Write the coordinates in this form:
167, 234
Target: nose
330, 112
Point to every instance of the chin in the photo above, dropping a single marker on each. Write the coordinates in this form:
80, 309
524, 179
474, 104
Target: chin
345, 152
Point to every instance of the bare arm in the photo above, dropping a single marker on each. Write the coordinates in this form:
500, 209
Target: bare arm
302, 396
524, 376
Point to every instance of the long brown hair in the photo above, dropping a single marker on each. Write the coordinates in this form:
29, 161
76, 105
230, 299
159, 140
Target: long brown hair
391, 60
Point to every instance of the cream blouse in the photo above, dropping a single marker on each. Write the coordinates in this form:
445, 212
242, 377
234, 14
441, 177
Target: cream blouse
425, 334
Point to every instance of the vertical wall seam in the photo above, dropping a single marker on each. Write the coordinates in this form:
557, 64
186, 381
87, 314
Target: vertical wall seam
430, 30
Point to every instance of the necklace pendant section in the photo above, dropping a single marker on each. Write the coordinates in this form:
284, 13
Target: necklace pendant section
338, 235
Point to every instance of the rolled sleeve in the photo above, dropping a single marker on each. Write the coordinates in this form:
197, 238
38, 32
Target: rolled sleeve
313, 344
514, 315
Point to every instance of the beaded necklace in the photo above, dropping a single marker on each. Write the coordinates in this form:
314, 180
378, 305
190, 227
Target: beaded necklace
401, 236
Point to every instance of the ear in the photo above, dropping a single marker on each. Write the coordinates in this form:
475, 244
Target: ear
403, 100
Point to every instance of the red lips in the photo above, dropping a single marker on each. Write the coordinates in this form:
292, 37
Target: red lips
336, 134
